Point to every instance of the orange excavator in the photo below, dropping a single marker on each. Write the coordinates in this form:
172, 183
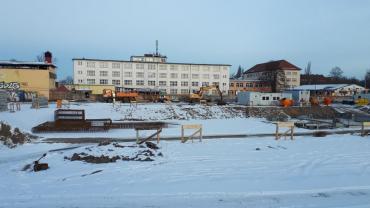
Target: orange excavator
109, 95
196, 97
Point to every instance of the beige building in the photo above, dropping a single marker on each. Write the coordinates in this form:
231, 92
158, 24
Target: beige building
29, 77
151, 71
281, 74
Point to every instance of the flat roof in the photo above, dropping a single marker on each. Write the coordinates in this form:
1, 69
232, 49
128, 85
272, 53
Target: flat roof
25, 63
88, 59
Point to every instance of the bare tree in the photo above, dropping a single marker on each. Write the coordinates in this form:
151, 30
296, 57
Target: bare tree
367, 78
336, 72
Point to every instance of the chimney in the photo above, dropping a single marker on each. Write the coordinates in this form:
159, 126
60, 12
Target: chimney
48, 57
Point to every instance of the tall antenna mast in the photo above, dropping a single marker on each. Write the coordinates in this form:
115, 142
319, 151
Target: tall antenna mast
156, 47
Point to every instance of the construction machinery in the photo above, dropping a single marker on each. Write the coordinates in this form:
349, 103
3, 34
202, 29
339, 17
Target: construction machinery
196, 97
124, 96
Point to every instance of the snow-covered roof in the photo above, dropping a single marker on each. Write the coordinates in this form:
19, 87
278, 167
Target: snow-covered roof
24, 63
323, 87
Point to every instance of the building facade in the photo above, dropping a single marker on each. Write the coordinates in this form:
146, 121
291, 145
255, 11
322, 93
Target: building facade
242, 85
151, 71
280, 74
28, 77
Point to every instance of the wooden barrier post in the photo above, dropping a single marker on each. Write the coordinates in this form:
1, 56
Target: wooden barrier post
290, 131
199, 131
157, 133
363, 128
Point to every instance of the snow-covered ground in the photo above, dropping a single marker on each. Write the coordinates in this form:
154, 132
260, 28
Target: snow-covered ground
219, 119
333, 171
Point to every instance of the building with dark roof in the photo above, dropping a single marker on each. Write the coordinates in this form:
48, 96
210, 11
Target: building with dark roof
281, 74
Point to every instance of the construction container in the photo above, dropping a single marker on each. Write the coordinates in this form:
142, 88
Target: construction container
300, 97
261, 99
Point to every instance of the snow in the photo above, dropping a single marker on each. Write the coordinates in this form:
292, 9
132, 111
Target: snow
332, 171
229, 121
308, 172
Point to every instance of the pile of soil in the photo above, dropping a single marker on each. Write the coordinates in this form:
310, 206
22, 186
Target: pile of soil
282, 114
13, 137
147, 154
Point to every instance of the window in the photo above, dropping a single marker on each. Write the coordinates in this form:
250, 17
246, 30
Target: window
103, 81
90, 64
295, 73
231, 84
216, 83
140, 74
195, 68
173, 83
139, 66
173, 67
162, 83
216, 69
140, 82
116, 82
90, 73
128, 74
162, 75
224, 84
116, 65
184, 84
184, 91
173, 75
224, 76
151, 83
79, 72
79, 63
185, 67
128, 82
206, 68
204, 84
103, 73
91, 81
205, 76
288, 73
173, 91
184, 76
151, 66
294, 79
116, 74
103, 65
128, 66
151, 75
162, 67
216, 76
80, 81
195, 84
195, 76
265, 98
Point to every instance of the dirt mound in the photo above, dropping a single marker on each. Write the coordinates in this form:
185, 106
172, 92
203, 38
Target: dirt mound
318, 112
12, 138
136, 153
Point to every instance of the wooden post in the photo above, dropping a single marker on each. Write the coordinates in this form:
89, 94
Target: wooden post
137, 136
198, 132
289, 125
363, 128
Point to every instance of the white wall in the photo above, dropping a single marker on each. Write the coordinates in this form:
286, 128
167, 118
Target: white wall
184, 73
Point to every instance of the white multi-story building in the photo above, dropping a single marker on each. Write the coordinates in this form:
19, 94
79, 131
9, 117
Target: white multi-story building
151, 71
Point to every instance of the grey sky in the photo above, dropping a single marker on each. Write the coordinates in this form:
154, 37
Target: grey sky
326, 32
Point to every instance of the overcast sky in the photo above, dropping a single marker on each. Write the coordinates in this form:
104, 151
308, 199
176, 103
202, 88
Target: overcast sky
326, 32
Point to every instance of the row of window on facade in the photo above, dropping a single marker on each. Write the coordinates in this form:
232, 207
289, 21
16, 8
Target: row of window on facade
269, 74
151, 75
174, 67
250, 85
150, 83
